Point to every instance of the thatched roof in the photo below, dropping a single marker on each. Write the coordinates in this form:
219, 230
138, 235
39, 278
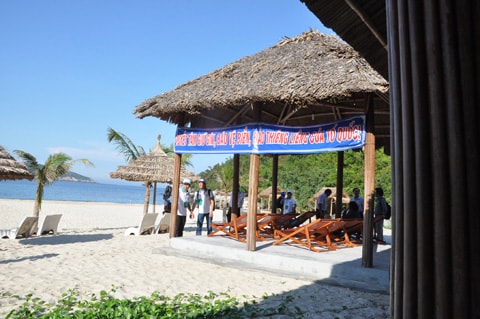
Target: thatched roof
362, 23
155, 166
307, 80
267, 192
11, 169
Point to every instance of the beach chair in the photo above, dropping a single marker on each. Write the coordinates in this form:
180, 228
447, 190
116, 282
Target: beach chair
332, 237
300, 219
49, 225
354, 229
164, 224
237, 228
303, 235
146, 227
26, 229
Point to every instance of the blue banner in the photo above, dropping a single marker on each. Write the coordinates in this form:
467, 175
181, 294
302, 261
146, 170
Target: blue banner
263, 138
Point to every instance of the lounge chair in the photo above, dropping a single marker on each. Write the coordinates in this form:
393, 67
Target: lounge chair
237, 228
147, 226
26, 229
49, 225
333, 236
316, 233
299, 219
164, 224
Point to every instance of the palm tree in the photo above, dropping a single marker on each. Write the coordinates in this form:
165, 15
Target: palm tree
132, 152
55, 167
124, 145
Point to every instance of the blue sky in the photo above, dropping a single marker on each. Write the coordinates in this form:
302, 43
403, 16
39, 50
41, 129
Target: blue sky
72, 69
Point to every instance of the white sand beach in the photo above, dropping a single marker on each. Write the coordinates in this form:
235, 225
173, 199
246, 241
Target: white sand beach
91, 253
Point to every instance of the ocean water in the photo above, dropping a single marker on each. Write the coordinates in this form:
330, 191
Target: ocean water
79, 191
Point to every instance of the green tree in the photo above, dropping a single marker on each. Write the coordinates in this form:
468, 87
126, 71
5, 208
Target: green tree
55, 167
124, 145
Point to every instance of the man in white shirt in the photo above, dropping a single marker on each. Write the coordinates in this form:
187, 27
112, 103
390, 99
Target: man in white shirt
183, 206
241, 198
358, 199
205, 200
322, 203
289, 204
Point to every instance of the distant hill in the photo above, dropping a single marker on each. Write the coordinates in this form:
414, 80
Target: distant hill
74, 177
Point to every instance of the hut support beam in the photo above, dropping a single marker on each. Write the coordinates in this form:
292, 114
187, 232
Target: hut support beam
274, 183
339, 199
235, 188
252, 202
175, 190
367, 251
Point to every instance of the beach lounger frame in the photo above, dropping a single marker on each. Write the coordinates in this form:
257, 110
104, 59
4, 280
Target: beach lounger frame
147, 226
49, 225
27, 228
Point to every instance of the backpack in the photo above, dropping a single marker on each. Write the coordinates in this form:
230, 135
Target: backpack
388, 214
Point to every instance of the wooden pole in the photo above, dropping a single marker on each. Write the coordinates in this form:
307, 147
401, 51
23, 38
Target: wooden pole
339, 199
175, 190
367, 251
235, 188
252, 202
274, 183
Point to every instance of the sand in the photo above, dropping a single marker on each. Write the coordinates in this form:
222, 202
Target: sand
91, 253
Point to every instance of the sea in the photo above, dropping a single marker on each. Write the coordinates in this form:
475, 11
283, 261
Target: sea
80, 191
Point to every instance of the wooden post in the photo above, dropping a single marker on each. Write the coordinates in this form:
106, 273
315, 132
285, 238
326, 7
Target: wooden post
274, 183
175, 190
252, 202
339, 199
367, 251
235, 188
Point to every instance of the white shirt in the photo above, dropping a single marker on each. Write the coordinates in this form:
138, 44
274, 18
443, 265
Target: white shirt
288, 205
322, 202
183, 197
203, 201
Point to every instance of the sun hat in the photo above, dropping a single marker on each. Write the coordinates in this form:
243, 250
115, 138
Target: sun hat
187, 181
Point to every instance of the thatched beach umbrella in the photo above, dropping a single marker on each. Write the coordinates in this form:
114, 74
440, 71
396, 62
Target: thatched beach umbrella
151, 168
11, 169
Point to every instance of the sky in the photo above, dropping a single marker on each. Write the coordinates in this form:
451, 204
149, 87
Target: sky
69, 70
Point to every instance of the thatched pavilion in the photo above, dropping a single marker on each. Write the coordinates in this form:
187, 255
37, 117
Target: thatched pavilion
11, 169
151, 168
310, 79
430, 52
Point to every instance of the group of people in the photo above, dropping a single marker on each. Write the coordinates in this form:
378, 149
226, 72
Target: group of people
354, 210
204, 199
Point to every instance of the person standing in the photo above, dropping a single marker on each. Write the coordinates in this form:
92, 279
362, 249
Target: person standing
240, 199
359, 200
205, 200
289, 203
322, 203
380, 211
183, 206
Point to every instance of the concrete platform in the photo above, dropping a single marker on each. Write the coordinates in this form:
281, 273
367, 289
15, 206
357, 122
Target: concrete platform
340, 267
